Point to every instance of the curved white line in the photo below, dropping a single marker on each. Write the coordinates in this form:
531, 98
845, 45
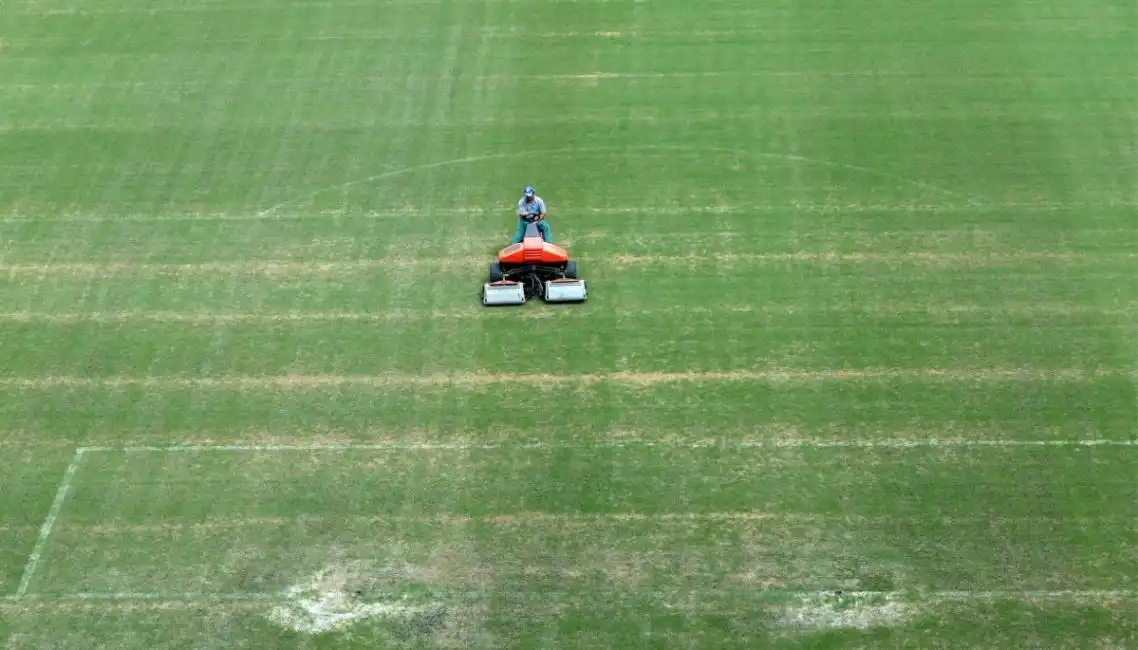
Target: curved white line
417, 168
611, 150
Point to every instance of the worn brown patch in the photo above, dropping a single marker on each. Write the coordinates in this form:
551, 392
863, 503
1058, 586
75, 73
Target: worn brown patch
773, 435
633, 379
583, 520
478, 379
563, 521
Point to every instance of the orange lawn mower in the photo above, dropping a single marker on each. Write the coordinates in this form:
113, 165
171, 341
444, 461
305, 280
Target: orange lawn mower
531, 269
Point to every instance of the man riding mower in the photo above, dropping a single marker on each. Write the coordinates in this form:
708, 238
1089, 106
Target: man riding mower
531, 266
531, 209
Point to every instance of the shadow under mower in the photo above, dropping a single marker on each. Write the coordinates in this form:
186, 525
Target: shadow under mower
533, 268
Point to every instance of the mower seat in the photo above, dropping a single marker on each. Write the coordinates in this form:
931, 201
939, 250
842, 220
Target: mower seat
533, 231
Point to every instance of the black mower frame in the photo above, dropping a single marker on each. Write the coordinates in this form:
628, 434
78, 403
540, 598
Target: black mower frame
532, 277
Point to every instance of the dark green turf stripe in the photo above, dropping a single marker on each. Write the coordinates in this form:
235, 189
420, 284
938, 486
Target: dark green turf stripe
660, 232
168, 414
628, 288
905, 483
650, 343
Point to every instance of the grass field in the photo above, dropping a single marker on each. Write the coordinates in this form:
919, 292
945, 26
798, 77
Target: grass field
857, 370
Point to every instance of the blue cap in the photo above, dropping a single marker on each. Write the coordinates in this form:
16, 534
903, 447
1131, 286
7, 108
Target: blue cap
529, 190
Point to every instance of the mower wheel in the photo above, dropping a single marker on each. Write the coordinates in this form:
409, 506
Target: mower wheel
571, 270
496, 272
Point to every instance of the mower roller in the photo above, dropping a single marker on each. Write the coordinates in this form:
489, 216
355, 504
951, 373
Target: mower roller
534, 268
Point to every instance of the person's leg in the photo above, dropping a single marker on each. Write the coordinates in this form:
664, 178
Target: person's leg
520, 234
546, 234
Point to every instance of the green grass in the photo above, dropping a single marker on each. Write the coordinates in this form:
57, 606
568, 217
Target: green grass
861, 275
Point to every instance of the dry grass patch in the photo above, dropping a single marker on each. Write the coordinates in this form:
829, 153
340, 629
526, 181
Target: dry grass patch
477, 379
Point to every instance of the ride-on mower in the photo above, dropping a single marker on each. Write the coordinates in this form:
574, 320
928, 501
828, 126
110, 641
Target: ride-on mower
530, 269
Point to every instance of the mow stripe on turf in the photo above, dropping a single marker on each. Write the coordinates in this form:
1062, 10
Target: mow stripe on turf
460, 379
111, 529
943, 312
979, 206
292, 267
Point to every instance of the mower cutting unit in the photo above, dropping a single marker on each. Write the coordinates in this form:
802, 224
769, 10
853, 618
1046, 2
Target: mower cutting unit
533, 268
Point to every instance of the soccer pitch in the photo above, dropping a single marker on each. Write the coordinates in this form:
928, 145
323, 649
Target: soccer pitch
857, 369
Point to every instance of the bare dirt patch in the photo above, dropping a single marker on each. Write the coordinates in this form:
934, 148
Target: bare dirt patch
396, 597
838, 610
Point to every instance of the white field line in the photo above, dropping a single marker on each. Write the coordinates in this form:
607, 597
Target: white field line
915, 595
49, 522
608, 151
867, 443
402, 213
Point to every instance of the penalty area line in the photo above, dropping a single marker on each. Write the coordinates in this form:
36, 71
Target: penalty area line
49, 523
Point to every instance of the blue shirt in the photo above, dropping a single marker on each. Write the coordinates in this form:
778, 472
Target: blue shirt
530, 211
